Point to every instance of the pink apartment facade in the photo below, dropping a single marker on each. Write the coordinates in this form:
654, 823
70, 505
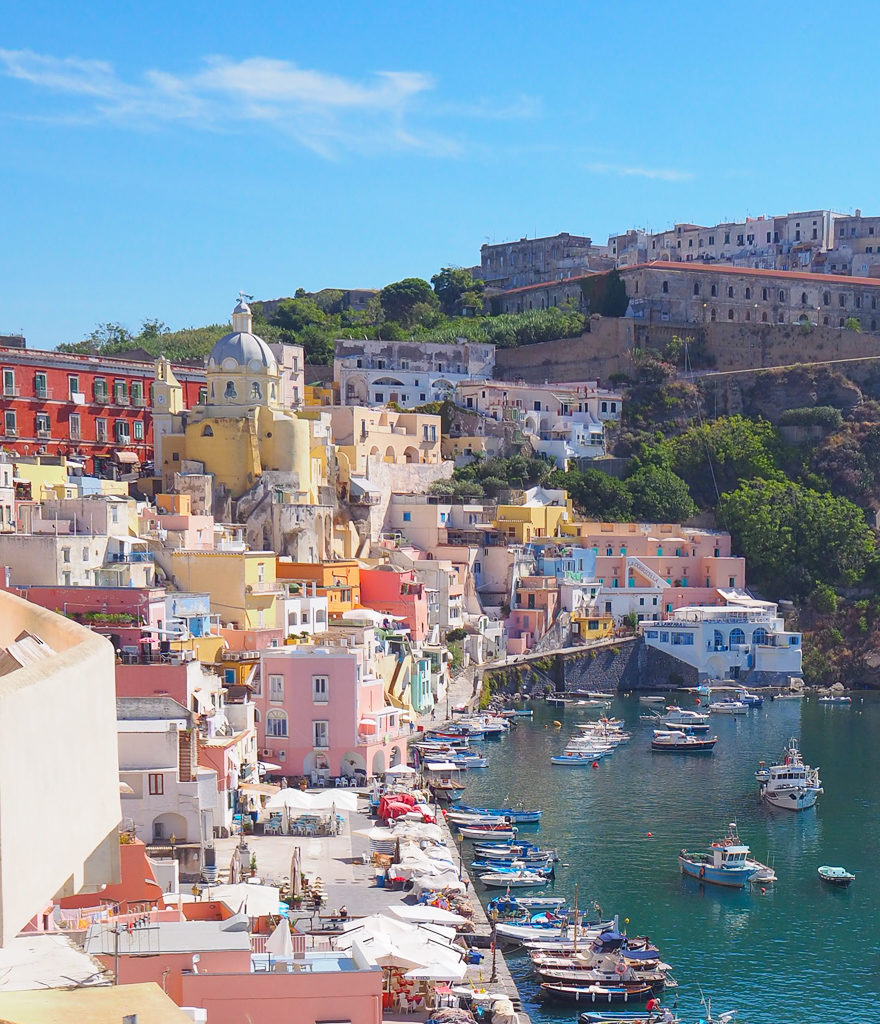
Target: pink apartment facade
322, 714
397, 593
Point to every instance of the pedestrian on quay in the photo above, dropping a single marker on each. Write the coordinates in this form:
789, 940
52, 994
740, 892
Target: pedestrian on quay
652, 1006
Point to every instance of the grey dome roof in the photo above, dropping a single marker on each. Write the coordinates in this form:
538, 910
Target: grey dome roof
244, 348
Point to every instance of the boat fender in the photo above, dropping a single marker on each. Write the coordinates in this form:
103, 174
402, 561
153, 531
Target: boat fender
620, 968
703, 871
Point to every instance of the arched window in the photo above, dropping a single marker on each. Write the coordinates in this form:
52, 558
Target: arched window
759, 636
781, 295
748, 293
665, 287
256, 390
803, 298
696, 288
730, 293
230, 391
714, 315
207, 432
730, 314
719, 640
826, 298
737, 636
276, 724
714, 290
763, 318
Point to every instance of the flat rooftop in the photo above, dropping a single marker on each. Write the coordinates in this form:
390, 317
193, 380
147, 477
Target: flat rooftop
45, 960
105, 1005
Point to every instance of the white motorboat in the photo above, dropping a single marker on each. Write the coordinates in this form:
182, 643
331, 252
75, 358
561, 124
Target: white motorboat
678, 718
521, 878
791, 784
652, 699
728, 707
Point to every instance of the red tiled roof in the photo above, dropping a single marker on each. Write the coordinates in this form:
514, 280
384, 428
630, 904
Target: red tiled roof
724, 268
551, 284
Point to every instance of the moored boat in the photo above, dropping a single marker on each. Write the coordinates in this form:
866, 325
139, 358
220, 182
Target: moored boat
679, 718
677, 741
726, 863
728, 707
580, 758
515, 878
791, 784
502, 831
514, 814
526, 904
836, 876
632, 992
835, 700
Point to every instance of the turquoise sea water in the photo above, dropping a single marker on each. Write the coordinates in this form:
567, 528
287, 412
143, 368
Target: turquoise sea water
804, 951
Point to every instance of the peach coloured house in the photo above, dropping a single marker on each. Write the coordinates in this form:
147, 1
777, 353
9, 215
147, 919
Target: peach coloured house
397, 593
322, 714
208, 964
535, 608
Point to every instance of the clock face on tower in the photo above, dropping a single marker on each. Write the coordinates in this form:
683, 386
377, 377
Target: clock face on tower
160, 399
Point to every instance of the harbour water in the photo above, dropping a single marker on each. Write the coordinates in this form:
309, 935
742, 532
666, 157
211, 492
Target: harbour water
802, 951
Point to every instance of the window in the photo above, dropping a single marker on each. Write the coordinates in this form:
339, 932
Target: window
696, 288
101, 429
41, 421
730, 314
203, 396
9, 383
99, 386
138, 428
276, 688
119, 392
765, 294
41, 385
320, 689
407, 517
9, 424
321, 735
380, 397
730, 293
121, 432
65, 554
276, 724
748, 293
137, 393
841, 300
781, 295
156, 784
665, 287
73, 427
72, 387
229, 391
714, 290
711, 239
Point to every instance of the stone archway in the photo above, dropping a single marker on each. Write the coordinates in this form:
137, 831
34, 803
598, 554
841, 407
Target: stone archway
352, 762
169, 824
378, 765
396, 756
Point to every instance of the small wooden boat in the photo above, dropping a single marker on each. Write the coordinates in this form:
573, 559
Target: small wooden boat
580, 758
515, 814
727, 707
836, 876
517, 878
677, 742
652, 699
488, 832
633, 992
516, 713
528, 904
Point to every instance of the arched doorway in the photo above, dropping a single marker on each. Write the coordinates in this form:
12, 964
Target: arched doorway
352, 764
396, 757
378, 766
169, 824
411, 455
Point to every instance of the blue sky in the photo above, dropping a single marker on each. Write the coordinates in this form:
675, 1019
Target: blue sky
157, 159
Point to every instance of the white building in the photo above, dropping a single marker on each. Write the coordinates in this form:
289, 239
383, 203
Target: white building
408, 373
746, 639
171, 795
57, 762
303, 610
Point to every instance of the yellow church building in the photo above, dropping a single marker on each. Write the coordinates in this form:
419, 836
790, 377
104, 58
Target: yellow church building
242, 430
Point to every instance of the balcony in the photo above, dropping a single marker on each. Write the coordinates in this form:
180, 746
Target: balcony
11, 391
42, 394
139, 400
264, 587
102, 398
44, 432
131, 556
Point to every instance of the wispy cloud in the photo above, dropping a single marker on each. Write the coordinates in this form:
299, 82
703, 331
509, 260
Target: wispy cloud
626, 171
325, 112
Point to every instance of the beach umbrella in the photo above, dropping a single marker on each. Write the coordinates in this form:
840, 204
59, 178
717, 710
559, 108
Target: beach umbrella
233, 870
296, 872
427, 914
279, 942
400, 769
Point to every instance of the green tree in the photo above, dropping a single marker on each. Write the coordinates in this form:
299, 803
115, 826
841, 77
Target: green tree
596, 495
399, 300
853, 323
659, 496
794, 537
451, 284
720, 453
605, 294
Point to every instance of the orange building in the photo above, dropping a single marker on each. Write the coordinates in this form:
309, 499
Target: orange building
339, 582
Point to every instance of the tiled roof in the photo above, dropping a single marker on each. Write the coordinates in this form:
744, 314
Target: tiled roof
793, 275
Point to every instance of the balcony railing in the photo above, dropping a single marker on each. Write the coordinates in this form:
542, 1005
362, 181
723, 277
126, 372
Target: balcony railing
265, 587
42, 393
102, 398
11, 391
132, 556
139, 400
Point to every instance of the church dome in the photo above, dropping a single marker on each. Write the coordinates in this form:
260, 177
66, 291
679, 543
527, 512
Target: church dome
241, 349
245, 349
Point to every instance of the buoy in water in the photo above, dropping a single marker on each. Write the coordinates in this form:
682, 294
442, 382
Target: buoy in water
595, 764
557, 725
763, 891
650, 835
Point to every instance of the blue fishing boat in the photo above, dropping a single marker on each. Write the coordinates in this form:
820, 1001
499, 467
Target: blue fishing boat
510, 851
514, 814
726, 863
526, 904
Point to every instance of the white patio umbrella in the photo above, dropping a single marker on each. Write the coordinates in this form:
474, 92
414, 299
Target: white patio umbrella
296, 872
279, 942
400, 769
233, 870
422, 913
344, 800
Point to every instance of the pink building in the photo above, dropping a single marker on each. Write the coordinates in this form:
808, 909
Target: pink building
174, 524
533, 613
397, 593
233, 986
128, 616
321, 714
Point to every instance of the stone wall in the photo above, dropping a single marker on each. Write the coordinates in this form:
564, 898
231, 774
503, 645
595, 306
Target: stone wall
602, 669
607, 348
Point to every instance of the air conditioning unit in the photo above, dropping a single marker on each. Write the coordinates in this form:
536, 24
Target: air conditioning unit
266, 752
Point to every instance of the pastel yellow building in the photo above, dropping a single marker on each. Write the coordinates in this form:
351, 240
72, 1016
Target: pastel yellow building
540, 514
242, 584
591, 627
318, 395
243, 430
397, 438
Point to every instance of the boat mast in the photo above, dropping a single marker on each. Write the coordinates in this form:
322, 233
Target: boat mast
575, 944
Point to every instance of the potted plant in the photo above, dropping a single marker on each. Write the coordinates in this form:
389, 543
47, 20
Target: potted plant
253, 864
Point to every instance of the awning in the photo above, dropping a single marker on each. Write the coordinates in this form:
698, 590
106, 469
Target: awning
261, 788
127, 457
363, 485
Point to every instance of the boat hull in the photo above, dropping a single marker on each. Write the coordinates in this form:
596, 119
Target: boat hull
730, 878
790, 800
697, 747
596, 993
